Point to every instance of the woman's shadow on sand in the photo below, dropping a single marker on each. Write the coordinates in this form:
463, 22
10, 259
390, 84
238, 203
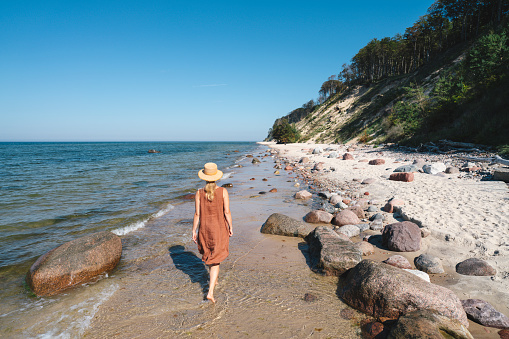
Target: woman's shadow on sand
191, 265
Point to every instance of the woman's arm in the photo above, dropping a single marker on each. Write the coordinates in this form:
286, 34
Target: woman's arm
227, 213
196, 219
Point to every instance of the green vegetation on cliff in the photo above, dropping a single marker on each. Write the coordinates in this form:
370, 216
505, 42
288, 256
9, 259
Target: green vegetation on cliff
447, 76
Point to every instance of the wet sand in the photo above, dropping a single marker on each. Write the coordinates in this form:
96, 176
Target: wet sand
261, 287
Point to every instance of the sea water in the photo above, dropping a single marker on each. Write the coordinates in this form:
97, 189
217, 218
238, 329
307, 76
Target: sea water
51, 193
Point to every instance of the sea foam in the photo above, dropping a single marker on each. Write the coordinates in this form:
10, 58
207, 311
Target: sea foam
140, 224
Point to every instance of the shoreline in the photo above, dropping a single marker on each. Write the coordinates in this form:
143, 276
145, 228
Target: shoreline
261, 286
466, 217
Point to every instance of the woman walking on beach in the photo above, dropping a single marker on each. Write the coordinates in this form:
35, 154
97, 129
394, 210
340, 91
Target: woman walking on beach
212, 215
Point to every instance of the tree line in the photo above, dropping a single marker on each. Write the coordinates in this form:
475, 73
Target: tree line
446, 23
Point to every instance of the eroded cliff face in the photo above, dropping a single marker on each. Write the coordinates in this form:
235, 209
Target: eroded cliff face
346, 116
360, 113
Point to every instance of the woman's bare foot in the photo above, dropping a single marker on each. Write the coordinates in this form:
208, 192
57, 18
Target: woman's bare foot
211, 298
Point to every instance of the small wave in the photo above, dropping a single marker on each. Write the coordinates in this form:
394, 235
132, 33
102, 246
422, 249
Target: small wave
75, 320
227, 175
140, 224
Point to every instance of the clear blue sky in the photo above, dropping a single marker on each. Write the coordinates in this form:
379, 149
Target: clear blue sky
175, 70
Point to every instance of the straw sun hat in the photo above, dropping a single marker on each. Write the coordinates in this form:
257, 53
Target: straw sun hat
210, 172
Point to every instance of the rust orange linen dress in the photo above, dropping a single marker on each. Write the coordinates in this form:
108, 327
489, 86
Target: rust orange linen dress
213, 235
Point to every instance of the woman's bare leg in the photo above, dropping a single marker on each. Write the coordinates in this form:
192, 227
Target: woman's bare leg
214, 272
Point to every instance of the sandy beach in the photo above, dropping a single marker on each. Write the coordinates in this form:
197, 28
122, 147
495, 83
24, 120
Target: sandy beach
263, 283
467, 217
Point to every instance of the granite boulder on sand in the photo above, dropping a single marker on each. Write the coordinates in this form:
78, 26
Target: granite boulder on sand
475, 266
483, 313
75, 262
346, 217
428, 324
381, 290
318, 216
280, 224
330, 253
402, 236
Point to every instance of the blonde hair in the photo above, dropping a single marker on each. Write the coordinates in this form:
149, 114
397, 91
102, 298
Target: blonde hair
210, 190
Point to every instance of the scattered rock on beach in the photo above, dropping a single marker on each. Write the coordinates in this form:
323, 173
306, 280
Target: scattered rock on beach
227, 185
398, 261
317, 150
377, 162
334, 199
389, 207
434, 168
274, 190
402, 176
345, 217
483, 313
428, 324
358, 211
327, 207
303, 195
376, 225
349, 230
365, 247
308, 297
255, 161
501, 174
475, 266
330, 253
402, 236
347, 156
304, 160
368, 181
318, 217
333, 155
429, 264
452, 170
407, 168
319, 166
382, 290
74, 263
280, 224
325, 195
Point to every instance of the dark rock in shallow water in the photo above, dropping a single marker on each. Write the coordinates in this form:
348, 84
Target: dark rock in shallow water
428, 324
227, 185
74, 263
280, 224
310, 297
483, 313
330, 253
474, 266
382, 290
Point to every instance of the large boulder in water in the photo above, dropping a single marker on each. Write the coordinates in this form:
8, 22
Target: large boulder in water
331, 253
382, 290
75, 262
280, 224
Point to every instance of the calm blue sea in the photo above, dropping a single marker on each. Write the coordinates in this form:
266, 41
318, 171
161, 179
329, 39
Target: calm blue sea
51, 193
